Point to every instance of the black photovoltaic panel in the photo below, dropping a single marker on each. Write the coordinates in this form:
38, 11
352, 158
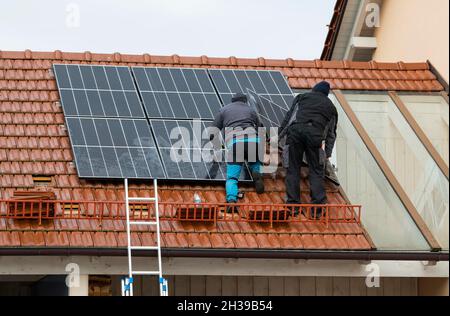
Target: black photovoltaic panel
270, 114
97, 91
267, 83
114, 148
178, 93
110, 135
185, 157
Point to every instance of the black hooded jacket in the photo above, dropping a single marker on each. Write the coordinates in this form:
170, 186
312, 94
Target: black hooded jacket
317, 111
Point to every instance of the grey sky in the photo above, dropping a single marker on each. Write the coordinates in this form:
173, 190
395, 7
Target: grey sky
243, 28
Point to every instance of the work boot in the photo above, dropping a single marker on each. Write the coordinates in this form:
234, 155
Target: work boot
320, 212
232, 208
294, 210
304, 212
309, 213
258, 181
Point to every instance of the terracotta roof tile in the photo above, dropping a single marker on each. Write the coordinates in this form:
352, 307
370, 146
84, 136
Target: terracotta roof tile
9, 239
175, 240
18, 225
122, 239
104, 239
333, 64
35, 239
87, 225
80, 239
57, 239
66, 225
246, 241
92, 237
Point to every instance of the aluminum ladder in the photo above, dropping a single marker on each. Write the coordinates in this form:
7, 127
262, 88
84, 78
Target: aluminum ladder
127, 283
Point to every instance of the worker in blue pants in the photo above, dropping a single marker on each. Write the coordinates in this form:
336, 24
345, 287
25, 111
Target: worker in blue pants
241, 125
234, 167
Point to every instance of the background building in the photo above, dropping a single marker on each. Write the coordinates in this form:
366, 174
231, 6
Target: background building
407, 30
399, 30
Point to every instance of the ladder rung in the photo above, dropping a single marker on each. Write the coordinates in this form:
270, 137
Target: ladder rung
144, 247
143, 223
141, 199
145, 272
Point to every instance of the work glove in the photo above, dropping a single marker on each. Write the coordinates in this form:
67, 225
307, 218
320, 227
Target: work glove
322, 156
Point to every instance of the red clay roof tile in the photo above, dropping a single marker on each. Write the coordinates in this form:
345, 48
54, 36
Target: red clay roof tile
246, 241
104, 239
175, 240
66, 224
34, 239
226, 241
80, 239
148, 239
56, 239
122, 239
9, 239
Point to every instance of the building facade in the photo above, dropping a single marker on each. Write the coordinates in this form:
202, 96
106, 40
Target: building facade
391, 30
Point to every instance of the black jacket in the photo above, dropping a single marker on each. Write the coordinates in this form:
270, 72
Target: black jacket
316, 109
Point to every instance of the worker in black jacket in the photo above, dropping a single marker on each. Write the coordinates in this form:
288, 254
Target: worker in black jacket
310, 126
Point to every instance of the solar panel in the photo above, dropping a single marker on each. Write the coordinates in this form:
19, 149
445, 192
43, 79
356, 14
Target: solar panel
185, 154
108, 130
269, 84
178, 93
270, 114
100, 91
114, 148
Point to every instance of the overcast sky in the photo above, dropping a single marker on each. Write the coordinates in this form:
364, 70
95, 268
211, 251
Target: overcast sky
242, 28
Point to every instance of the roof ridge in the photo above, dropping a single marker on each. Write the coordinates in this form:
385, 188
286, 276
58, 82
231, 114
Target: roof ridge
212, 61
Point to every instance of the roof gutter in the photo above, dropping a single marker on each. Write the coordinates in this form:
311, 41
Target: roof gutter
236, 253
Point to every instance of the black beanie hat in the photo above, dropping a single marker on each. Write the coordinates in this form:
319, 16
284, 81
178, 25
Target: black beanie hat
239, 97
323, 87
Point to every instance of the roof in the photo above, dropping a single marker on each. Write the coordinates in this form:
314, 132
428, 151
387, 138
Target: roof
33, 141
333, 29
345, 24
32, 67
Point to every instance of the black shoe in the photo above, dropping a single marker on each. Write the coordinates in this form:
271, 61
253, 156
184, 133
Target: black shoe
232, 208
294, 210
304, 212
309, 213
319, 213
258, 181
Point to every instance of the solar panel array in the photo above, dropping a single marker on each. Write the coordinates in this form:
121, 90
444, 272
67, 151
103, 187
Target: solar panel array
178, 93
114, 148
100, 91
144, 123
185, 152
269, 84
110, 135
270, 114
